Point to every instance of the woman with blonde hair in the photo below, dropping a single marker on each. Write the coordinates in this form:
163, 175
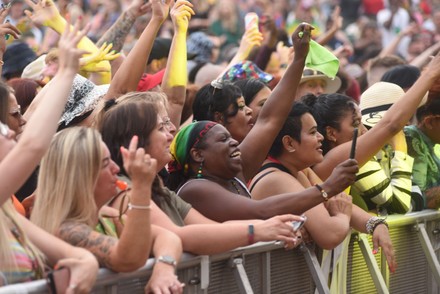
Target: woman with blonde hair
77, 178
24, 247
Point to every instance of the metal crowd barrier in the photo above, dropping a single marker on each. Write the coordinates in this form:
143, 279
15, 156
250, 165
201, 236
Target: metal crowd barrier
268, 268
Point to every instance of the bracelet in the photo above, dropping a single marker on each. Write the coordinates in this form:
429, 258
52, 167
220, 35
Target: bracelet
373, 222
144, 207
251, 234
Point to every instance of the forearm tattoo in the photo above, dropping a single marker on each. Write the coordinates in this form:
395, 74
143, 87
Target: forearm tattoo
81, 235
117, 33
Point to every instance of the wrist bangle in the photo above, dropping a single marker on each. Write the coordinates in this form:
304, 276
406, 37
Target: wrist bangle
373, 222
143, 207
251, 234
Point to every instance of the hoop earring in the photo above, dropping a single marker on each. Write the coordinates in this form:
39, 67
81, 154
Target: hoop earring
199, 171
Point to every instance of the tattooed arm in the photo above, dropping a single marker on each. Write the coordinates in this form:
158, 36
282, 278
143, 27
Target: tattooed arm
120, 29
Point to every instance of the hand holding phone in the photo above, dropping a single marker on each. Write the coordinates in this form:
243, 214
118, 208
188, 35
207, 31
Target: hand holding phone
353, 143
297, 225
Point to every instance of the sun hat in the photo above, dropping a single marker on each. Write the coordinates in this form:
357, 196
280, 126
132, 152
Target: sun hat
244, 70
200, 44
84, 96
33, 70
377, 99
331, 85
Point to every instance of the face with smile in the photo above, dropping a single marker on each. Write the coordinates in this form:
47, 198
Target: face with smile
105, 187
160, 141
308, 151
240, 124
220, 153
258, 102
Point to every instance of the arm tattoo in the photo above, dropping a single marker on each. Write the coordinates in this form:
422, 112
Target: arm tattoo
82, 235
117, 33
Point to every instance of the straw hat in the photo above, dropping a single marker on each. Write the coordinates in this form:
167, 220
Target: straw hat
377, 99
331, 85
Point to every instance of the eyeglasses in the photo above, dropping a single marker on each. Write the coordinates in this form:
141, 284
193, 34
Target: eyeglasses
166, 122
4, 129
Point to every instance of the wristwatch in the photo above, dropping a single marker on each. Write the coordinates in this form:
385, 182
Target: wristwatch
167, 259
323, 193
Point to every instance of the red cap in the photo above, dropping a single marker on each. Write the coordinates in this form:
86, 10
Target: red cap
149, 81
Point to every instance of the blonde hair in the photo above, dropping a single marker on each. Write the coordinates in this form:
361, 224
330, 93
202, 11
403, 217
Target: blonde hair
8, 222
67, 178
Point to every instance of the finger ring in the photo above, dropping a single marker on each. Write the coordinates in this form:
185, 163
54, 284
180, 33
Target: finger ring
72, 286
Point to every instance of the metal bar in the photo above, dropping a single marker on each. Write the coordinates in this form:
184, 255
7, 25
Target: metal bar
266, 281
204, 273
429, 251
315, 269
373, 268
240, 275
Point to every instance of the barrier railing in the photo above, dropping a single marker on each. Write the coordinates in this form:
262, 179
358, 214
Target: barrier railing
268, 268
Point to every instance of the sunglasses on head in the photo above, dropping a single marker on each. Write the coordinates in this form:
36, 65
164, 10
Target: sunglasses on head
217, 85
311, 72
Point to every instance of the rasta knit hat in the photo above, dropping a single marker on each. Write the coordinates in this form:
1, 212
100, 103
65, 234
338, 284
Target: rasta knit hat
187, 138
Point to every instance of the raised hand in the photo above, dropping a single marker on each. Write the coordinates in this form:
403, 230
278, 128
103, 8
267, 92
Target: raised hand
251, 38
138, 8
141, 168
90, 62
6, 29
343, 176
160, 9
68, 53
44, 11
301, 39
181, 14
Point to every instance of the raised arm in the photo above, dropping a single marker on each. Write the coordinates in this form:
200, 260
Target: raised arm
46, 13
21, 161
175, 78
129, 73
393, 121
256, 144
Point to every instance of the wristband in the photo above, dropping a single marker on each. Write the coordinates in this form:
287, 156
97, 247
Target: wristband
143, 207
373, 222
251, 234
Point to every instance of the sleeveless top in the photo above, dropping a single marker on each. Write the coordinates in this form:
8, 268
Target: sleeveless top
242, 185
27, 266
273, 163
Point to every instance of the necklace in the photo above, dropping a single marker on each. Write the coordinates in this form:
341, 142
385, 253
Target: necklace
235, 186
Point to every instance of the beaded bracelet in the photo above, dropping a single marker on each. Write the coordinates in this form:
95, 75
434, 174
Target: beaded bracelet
373, 222
251, 234
133, 206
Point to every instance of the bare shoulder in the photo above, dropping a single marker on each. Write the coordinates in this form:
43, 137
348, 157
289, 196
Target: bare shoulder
200, 188
272, 182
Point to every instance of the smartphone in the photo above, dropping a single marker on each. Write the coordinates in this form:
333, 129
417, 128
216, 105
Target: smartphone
58, 280
297, 225
251, 20
353, 143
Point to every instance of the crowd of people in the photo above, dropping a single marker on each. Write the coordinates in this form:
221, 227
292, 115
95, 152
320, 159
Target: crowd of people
138, 129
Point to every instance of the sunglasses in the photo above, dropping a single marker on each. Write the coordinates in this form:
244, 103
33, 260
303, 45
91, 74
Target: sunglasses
311, 72
217, 85
4, 129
